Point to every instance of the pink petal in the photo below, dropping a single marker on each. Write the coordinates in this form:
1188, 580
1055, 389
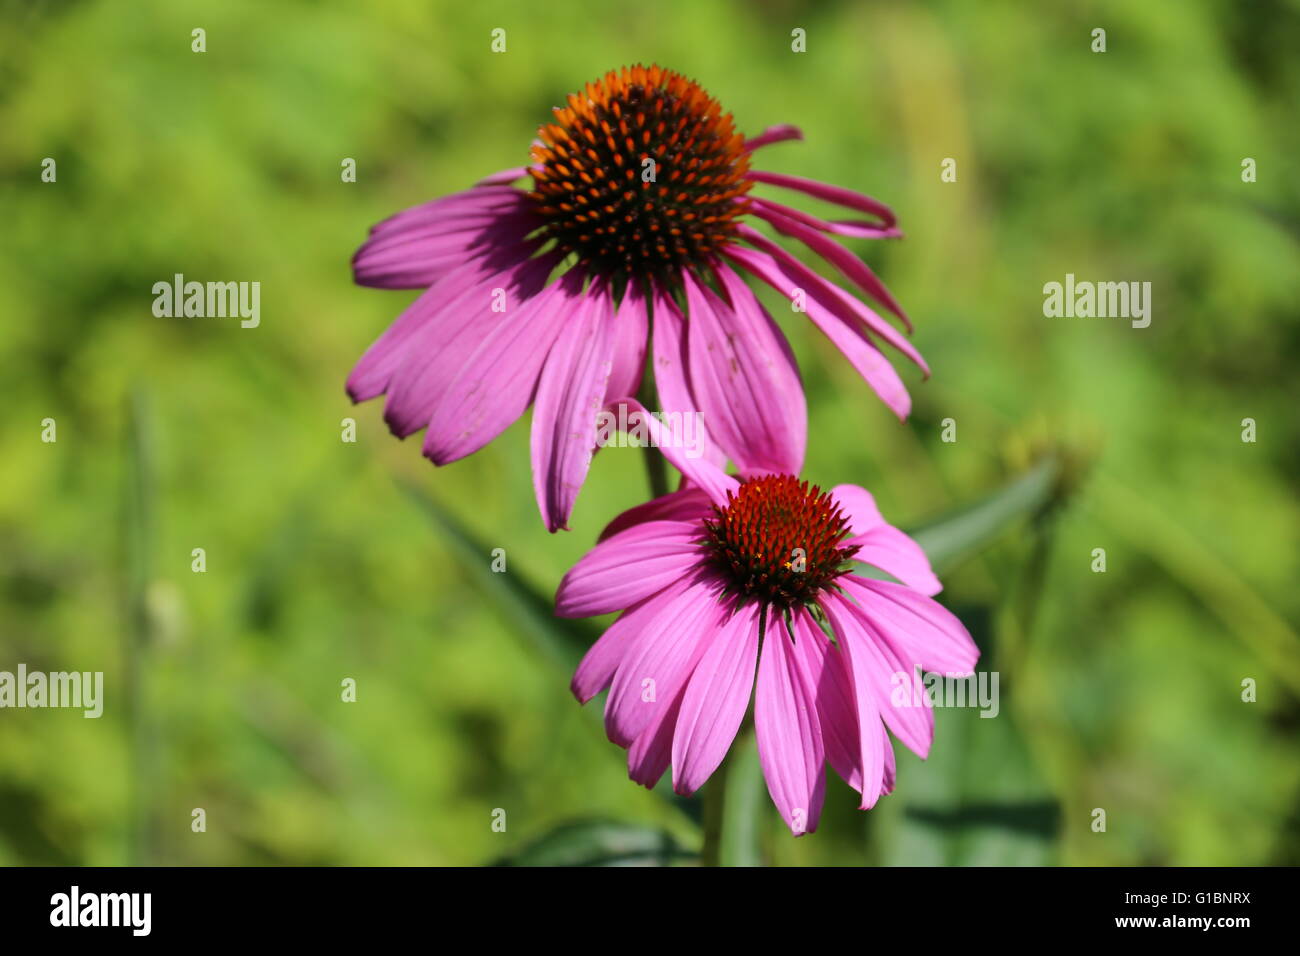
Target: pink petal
789, 733
744, 379
880, 544
648, 757
702, 472
628, 567
496, 382
671, 371
415, 260
833, 194
370, 376
716, 700
661, 659
690, 504
600, 662
570, 394
881, 671
632, 328
852, 310
505, 176
433, 355
773, 134
853, 228
861, 353
923, 629
849, 265
842, 711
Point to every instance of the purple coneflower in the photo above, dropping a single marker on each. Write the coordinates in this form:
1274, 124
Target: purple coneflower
544, 295
724, 580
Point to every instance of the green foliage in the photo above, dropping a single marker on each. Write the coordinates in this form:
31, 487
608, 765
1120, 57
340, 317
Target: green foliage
1122, 690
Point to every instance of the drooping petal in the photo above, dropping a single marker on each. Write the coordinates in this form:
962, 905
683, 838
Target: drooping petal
923, 629
849, 265
716, 700
570, 394
661, 659
789, 733
702, 472
824, 191
434, 355
879, 669
497, 380
628, 567
672, 374
851, 309
370, 377
744, 378
852, 228
861, 353
773, 134
631, 329
841, 710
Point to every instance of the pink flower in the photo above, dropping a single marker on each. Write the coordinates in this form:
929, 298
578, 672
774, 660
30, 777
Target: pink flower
640, 188
724, 580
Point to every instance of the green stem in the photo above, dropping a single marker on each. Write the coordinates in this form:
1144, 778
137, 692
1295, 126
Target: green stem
715, 806
656, 468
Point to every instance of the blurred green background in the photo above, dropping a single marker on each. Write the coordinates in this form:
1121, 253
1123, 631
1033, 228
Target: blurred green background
1120, 690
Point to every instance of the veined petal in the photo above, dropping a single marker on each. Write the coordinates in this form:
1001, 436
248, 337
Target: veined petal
672, 373
432, 356
702, 472
497, 380
842, 711
851, 309
924, 629
861, 353
631, 329
789, 732
570, 394
880, 544
661, 659
880, 670
852, 228
600, 662
716, 700
747, 387
628, 567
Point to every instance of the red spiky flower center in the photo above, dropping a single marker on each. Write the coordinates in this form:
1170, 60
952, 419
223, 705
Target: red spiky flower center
640, 174
779, 539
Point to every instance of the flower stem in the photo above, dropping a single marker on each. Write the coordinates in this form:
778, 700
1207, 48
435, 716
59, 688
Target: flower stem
655, 466
715, 807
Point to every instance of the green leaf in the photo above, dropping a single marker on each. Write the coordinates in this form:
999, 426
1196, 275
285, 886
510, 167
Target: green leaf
561, 641
601, 843
954, 537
